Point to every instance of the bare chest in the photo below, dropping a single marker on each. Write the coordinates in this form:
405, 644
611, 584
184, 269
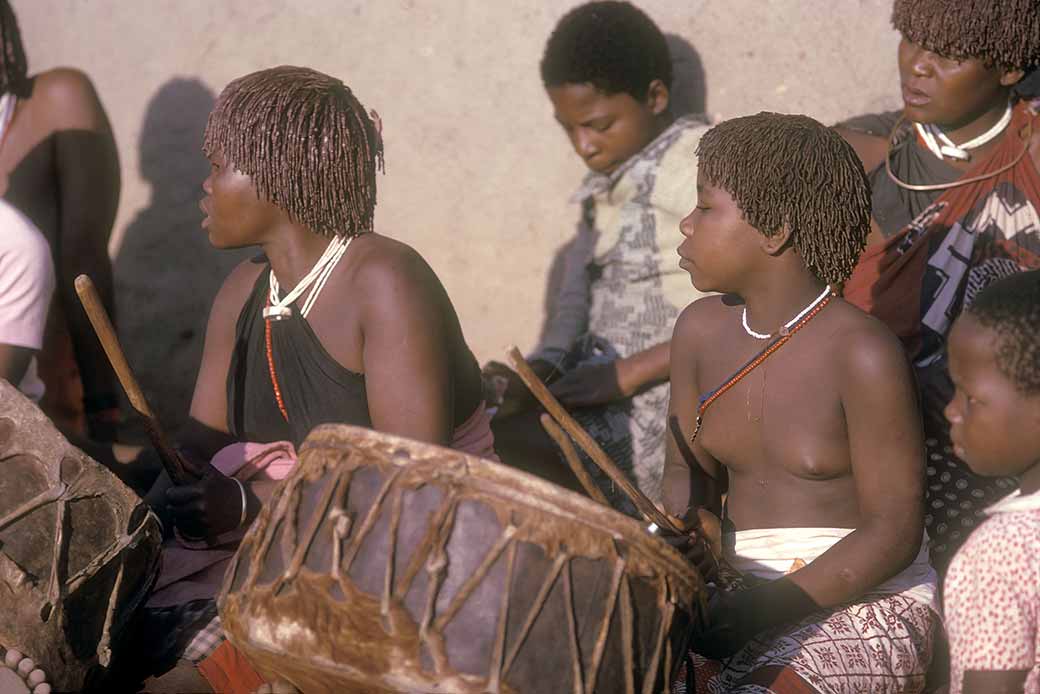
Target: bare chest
783, 419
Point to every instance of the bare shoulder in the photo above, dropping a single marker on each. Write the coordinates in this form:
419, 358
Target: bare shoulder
382, 264
866, 348
702, 320
68, 98
870, 148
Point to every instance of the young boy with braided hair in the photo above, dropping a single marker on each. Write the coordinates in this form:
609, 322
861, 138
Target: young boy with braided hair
800, 409
956, 204
992, 589
608, 73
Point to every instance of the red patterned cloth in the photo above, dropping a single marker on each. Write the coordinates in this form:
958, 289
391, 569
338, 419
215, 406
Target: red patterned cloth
942, 249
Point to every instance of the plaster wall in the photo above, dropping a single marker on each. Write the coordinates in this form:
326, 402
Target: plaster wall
478, 174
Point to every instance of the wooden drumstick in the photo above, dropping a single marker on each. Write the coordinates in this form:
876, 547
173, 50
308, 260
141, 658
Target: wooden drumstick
172, 461
571, 456
646, 507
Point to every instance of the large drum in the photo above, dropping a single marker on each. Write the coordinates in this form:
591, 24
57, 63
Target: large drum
386, 565
78, 549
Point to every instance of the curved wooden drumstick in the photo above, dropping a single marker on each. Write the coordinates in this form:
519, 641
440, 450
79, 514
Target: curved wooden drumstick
172, 461
571, 456
646, 507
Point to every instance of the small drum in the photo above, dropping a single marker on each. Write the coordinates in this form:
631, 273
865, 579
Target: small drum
78, 549
386, 565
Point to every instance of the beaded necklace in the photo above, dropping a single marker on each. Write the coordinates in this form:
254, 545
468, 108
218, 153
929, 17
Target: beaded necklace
706, 401
270, 367
1025, 134
786, 327
280, 309
939, 143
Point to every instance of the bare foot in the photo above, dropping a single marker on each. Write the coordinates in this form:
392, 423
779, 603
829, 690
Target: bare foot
20, 674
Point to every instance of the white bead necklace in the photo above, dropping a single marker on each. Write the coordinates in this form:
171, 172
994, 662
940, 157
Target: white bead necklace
940, 145
788, 324
318, 276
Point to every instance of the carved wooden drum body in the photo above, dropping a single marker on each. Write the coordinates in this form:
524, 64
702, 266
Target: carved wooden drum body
78, 549
386, 565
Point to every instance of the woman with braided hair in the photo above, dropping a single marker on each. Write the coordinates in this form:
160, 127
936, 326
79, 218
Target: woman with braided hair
332, 323
956, 195
797, 409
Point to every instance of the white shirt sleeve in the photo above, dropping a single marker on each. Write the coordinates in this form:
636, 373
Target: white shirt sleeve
26, 280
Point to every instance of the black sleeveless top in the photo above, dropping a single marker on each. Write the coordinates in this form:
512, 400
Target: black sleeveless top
892, 206
315, 388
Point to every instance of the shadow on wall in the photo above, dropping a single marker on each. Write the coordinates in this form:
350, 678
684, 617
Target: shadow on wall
689, 88
166, 273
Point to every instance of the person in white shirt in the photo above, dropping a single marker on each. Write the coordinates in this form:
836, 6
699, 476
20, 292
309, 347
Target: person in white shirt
26, 287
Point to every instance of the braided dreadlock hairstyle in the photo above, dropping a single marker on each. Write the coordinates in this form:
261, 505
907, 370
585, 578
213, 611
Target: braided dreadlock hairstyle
14, 69
1000, 33
787, 170
612, 45
307, 143
1011, 308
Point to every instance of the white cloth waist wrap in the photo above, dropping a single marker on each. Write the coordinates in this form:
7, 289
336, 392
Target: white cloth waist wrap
770, 553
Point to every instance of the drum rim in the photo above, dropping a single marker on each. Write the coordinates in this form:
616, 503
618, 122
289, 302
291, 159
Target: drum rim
585, 510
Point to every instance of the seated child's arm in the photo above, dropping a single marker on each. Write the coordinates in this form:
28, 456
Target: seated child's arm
994, 682
887, 455
598, 384
407, 348
692, 478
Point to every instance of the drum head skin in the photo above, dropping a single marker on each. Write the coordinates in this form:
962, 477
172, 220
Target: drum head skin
387, 565
78, 549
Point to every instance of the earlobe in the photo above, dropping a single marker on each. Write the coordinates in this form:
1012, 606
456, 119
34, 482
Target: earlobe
1011, 77
658, 97
775, 244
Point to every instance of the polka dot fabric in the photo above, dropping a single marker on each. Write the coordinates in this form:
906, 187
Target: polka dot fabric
992, 596
956, 499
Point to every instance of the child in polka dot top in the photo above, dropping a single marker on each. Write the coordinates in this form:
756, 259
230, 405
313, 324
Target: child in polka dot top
993, 585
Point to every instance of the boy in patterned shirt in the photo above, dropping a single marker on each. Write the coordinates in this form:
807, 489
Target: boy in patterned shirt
605, 344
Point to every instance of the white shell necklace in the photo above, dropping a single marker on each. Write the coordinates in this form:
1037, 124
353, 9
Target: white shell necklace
788, 324
319, 274
942, 146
